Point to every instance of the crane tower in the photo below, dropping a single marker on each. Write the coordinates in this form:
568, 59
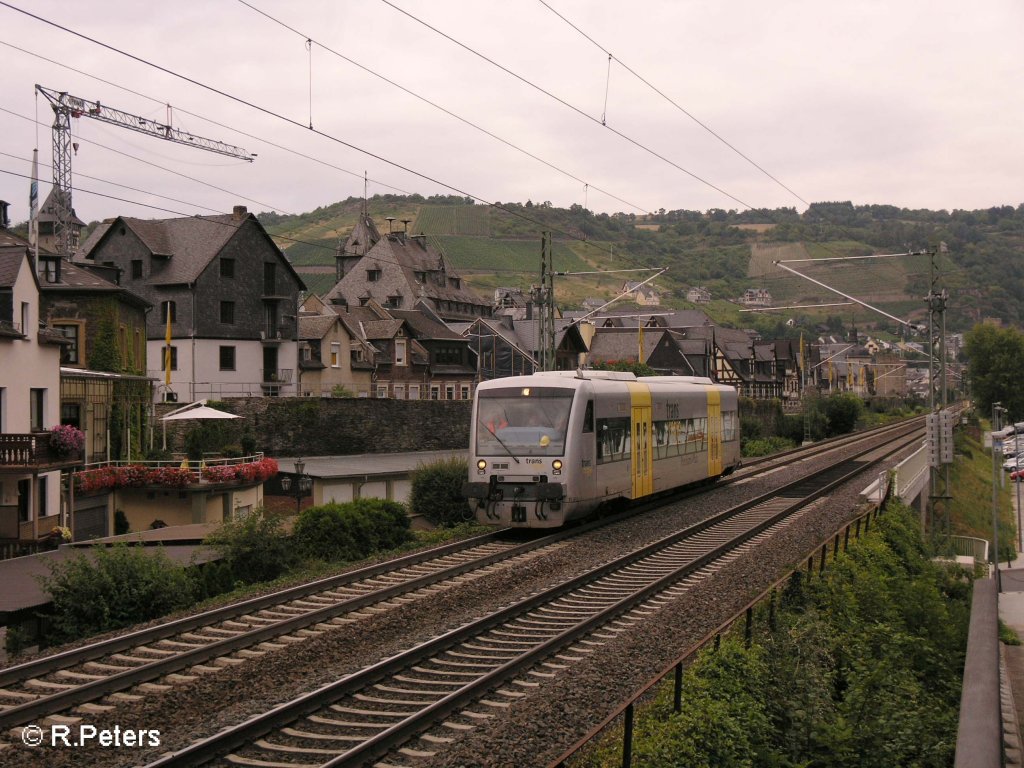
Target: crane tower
65, 106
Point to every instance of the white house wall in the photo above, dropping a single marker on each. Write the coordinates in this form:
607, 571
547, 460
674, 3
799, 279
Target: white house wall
26, 365
198, 374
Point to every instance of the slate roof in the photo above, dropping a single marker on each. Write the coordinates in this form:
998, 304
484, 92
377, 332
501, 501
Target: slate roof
423, 326
187, 243
615, 344
315, 326
78, 277
408, 267
10, 265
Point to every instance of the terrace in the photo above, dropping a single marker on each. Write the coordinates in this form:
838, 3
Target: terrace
181, 474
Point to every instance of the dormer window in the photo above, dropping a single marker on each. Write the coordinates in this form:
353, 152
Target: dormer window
372, 275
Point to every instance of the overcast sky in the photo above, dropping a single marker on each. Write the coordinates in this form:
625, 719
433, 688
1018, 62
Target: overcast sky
914, 104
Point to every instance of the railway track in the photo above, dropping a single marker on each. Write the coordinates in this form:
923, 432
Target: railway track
411, 705
96, 677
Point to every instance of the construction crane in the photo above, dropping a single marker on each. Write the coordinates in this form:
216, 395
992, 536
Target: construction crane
65, 106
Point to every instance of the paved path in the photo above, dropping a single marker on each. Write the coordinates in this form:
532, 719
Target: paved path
1011, 613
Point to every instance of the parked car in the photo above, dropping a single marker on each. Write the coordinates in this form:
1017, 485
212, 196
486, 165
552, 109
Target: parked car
1017, 475
1013, 462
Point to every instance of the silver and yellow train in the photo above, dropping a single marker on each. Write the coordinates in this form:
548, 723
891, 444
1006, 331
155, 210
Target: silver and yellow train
552, 447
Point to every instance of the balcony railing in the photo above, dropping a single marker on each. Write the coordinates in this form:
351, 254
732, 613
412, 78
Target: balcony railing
183, 474
32, 451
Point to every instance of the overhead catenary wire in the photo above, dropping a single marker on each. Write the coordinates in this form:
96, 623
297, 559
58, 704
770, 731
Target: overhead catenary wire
154, 165
211, 121
671, 101
636, 143
437, 106
291, 121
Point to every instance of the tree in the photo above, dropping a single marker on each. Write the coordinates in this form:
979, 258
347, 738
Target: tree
842, 412
995, 360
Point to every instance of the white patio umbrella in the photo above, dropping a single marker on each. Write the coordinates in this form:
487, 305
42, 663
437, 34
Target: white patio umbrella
199, 412
196, 410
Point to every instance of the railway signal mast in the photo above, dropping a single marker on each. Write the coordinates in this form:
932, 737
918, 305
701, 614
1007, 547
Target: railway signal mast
65, 106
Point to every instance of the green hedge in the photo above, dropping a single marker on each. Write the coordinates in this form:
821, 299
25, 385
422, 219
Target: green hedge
437, 492
114, 587
351, 531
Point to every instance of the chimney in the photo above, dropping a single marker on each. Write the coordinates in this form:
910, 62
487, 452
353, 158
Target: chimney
4, 221
239, 213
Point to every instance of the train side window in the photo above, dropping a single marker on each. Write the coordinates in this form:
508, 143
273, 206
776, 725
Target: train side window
588, 418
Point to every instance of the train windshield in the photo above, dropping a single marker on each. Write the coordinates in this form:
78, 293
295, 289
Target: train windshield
522, 421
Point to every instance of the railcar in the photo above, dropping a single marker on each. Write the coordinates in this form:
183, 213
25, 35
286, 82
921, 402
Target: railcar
555, 446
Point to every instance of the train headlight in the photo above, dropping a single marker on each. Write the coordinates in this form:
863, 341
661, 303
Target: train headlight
556, 467
481, 465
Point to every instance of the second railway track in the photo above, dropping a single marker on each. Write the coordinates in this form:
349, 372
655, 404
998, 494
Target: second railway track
445, 686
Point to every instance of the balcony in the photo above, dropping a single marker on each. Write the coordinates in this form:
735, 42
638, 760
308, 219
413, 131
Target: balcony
183, 475
32, 452
271, 336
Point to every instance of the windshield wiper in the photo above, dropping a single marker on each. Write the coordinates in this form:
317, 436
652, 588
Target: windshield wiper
502, 443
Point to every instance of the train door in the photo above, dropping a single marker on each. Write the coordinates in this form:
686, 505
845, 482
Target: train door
640, 433
714, 433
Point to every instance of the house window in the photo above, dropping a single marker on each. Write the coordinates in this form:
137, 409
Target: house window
464, 392
24, 510
36, 407
227, 312
449, 392
227, 267
71, 413
227, 358
41, 500
372, 275
435, 391
400, 350
174, 359
69, 354
399, 391
122, 341
307, 353
414, 391
269, 278
136, 269
168, 309
24, 317
49, 269
382, 390
393, 302
335, 354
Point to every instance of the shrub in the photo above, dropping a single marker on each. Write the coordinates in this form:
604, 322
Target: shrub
437, 492
255, 549
842, 412
766, 446
115, 587
351, 531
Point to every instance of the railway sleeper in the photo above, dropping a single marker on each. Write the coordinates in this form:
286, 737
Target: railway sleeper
240, 760
295, 733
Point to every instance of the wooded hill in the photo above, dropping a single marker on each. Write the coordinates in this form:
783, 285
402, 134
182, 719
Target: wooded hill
978, 259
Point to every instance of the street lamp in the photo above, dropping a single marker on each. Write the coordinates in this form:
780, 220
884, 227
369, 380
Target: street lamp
303, 484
